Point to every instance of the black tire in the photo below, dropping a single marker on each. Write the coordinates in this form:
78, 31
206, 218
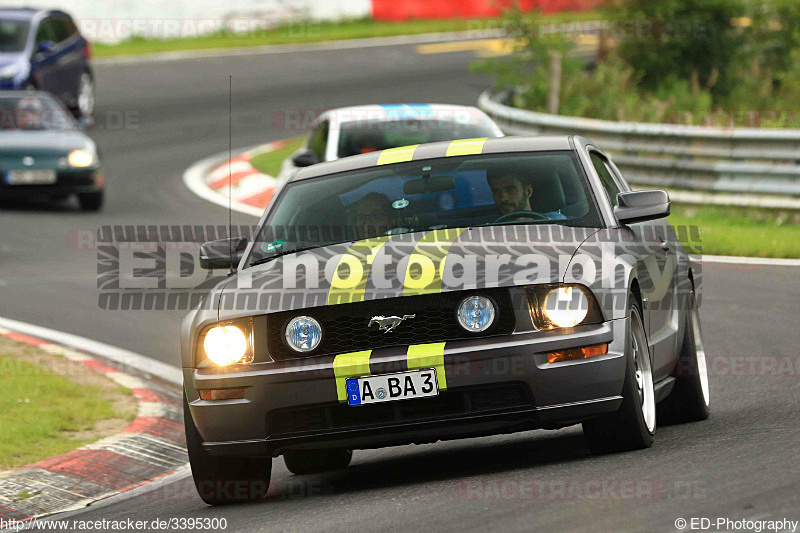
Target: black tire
91, 201
314, 461
627, 429
224, 480
689, 400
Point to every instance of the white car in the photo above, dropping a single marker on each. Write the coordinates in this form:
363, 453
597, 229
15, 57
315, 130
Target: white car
357, 130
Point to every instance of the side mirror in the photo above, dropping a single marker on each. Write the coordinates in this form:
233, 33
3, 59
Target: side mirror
217, 254
639, 206
305, 159
45, 46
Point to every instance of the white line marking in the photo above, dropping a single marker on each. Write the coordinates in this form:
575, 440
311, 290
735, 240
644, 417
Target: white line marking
736, 260
738, 199
133, 360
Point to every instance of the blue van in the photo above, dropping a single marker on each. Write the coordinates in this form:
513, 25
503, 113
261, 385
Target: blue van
43, 50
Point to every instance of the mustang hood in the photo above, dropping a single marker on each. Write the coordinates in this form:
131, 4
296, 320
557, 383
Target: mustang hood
404, 265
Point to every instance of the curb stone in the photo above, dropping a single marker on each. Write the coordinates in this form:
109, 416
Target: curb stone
151, 447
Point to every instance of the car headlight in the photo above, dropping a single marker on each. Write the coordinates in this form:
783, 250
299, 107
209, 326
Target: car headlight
9, 71
303, 334
228, 345
562, 306
80, 158
476, 313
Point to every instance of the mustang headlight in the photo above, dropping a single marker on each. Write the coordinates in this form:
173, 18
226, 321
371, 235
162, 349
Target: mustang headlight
476, 313
303, 334
80, 158
228, 345
562, 306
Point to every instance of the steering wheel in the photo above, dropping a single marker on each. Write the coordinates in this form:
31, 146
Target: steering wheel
533, 215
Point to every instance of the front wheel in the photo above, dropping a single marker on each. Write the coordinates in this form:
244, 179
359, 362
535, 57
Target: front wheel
633, 426
222, 480
314, 461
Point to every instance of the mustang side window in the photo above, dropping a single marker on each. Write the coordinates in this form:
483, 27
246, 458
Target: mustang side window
606, 178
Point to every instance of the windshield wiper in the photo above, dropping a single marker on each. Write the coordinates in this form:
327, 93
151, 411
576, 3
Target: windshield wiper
280, 254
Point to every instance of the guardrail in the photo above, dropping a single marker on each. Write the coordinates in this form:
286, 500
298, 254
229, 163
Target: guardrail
698, 158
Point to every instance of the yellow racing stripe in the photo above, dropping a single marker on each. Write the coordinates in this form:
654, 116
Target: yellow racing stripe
465, 147
426, 265
349, 365
350, 287
428, 356
397, 155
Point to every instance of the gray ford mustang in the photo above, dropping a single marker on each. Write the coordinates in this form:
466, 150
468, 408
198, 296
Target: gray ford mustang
441, 291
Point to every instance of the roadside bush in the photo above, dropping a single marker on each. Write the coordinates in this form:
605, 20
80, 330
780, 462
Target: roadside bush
704, 62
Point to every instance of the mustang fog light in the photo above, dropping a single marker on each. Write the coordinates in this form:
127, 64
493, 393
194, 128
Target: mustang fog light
476, 313
577, 353
303, 334
80, 158
221, 394
225, 345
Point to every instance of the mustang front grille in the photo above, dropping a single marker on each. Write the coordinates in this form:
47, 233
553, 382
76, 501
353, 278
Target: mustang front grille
345, 325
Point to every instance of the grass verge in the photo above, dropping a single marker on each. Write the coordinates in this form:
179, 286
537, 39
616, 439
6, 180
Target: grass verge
50, 405
310, 32
748, 232
270, 162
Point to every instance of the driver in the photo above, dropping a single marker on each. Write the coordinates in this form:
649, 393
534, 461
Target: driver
512, 194
373, 215
29, 112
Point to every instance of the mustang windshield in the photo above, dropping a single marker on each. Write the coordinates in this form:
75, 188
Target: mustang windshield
452, 192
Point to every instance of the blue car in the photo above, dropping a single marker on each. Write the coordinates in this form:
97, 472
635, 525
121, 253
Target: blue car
43, 50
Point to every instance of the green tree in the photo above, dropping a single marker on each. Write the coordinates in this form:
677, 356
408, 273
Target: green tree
694, 40
540, 51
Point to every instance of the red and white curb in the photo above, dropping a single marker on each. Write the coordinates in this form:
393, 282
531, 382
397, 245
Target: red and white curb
150, 448
250, 190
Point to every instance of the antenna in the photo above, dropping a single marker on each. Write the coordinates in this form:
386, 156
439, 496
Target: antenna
230, 185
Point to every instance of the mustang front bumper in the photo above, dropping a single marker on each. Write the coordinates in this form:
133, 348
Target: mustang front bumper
494, 385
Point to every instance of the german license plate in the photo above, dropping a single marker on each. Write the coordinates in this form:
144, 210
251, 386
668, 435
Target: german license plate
31, 177
391, 387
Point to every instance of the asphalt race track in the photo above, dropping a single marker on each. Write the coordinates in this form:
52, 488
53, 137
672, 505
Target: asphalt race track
741, 463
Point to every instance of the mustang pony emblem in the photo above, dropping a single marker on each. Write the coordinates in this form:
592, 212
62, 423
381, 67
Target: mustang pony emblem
388, 323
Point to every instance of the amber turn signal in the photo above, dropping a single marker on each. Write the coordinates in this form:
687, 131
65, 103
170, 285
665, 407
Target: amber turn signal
577, 353
221, 394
